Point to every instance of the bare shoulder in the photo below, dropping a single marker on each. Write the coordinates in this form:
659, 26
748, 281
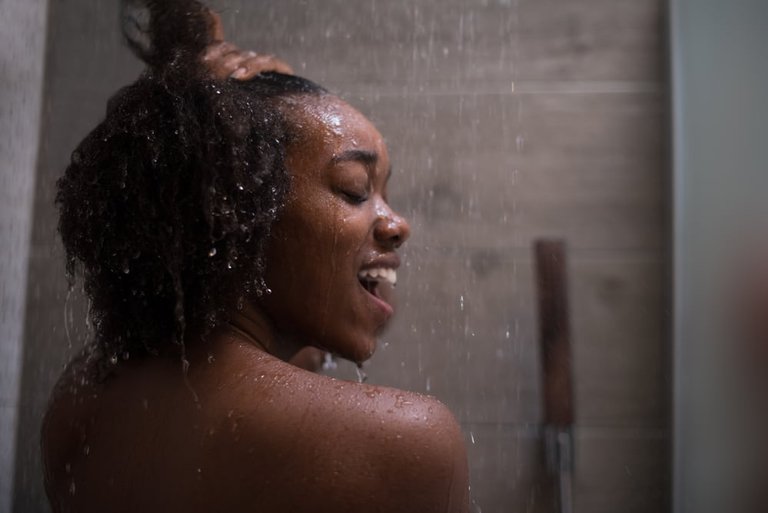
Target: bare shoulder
357, 447
249, 431
420, 450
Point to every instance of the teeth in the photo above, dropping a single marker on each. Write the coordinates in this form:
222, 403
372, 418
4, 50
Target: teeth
380, 273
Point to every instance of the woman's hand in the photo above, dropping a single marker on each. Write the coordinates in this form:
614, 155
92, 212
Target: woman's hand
226, 60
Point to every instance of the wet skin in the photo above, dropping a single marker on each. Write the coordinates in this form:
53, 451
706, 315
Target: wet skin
336, 223
247, 431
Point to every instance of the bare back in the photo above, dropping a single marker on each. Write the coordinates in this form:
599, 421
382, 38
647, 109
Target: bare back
244, 431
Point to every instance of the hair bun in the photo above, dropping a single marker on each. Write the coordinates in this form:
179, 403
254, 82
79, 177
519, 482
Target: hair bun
135, 16
161, 32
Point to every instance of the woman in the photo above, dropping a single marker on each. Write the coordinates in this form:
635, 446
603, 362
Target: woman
221, 226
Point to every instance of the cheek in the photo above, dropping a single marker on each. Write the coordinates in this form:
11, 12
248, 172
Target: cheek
320, 227
312, 271
305, 252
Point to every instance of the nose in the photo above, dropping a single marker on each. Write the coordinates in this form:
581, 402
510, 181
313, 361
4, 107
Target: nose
391, 229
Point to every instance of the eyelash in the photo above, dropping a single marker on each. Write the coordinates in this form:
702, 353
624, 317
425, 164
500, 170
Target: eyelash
355, 199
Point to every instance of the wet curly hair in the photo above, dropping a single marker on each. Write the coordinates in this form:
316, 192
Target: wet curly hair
166, 206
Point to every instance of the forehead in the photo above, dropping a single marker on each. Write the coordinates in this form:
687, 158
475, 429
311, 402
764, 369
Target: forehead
334, 125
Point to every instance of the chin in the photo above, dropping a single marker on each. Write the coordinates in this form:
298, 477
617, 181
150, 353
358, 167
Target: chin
360, 351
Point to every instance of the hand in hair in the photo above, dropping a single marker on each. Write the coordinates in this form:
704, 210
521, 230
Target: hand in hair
226, 60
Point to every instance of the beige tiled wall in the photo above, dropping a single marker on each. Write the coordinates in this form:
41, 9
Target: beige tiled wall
507, 120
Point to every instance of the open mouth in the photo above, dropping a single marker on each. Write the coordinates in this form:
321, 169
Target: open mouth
375, 280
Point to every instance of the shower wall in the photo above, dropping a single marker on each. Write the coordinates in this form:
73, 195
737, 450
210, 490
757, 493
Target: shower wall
507, 120
22, 39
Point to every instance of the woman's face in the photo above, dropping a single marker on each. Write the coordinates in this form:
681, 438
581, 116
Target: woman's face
331, 261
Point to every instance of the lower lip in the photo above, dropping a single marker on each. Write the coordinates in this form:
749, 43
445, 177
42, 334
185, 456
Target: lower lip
385, 307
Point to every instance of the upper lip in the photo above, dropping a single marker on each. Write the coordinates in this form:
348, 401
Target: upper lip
387, 261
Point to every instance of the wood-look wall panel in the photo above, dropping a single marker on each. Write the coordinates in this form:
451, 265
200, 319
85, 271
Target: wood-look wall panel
499, 170
622, 470
457, 46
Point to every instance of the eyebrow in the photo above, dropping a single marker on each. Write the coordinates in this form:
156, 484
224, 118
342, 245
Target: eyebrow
369, 158
366, 157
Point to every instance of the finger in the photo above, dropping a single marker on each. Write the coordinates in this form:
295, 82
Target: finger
283, 67
218, 50
231, 61
223, 59
225, 67
271, 63
256, 64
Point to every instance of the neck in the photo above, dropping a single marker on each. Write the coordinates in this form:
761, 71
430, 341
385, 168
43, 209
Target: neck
252, 325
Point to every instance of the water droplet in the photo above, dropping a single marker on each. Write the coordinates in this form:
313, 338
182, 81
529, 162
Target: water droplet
461, 303
472, 437
87, 450
329, 363
520, 143
212, 252
113, 359
361, 375
211, 359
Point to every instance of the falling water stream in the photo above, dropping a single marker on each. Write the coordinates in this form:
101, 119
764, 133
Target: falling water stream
506, 121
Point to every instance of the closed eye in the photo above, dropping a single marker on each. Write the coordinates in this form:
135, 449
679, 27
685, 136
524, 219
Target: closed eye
354, 198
